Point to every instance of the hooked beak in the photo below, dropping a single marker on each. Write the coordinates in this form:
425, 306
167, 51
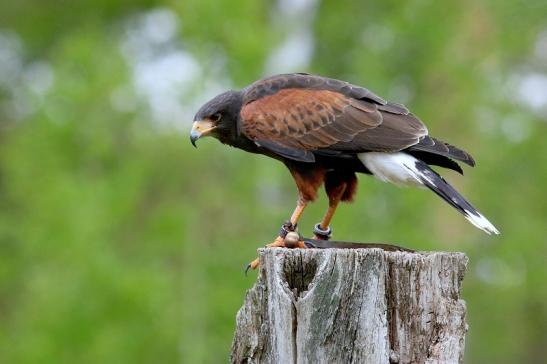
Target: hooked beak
201, 128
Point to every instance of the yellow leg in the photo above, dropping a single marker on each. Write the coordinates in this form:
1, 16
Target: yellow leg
297, 213
324, 224
334, 201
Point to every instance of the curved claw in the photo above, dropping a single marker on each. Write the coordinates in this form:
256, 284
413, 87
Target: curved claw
294, 241
252, 265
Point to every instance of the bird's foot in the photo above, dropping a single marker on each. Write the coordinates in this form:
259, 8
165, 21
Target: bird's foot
321, 234
288, 238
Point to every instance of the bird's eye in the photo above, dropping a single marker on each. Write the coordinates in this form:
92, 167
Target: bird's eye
216, 117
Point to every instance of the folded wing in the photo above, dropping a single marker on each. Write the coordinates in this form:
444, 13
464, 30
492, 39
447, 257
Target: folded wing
313, 119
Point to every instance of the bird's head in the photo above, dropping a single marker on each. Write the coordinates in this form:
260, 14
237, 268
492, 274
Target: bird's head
218, 118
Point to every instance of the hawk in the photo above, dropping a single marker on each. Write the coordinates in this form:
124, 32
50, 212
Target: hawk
326, 131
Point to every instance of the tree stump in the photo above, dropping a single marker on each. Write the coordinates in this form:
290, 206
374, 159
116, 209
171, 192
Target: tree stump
353, 306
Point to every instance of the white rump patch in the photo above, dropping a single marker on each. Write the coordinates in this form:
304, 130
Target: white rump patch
397, 168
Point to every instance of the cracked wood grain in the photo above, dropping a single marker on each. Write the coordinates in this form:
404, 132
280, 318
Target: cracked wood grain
353, 306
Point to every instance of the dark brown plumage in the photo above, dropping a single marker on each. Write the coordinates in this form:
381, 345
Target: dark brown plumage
325, 131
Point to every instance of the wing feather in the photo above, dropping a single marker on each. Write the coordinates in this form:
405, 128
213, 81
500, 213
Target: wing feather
435, 146
306, 118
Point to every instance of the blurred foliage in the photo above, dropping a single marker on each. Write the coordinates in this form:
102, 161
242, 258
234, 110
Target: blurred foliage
119, 243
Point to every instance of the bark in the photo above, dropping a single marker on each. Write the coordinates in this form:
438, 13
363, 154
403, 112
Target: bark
353, 306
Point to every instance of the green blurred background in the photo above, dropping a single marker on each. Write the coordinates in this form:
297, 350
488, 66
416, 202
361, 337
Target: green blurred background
120, 243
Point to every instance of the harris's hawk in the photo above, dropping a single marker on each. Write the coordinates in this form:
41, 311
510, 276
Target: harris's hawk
325, 131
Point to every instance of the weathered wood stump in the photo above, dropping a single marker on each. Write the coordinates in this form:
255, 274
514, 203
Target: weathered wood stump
353, 306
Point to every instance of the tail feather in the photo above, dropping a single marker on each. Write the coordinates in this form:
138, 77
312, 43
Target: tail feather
435, 146
404, 169
437, 184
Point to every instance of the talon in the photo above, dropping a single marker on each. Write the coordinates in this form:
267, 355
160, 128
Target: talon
290, 239
252, 265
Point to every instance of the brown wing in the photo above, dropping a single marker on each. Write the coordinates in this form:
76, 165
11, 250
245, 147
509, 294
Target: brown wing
294, 122
308, 119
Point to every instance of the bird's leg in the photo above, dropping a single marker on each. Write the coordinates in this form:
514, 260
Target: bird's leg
285, 239
322, 230
298, 211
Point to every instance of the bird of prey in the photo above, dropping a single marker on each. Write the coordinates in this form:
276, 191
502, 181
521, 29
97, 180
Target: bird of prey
325, 131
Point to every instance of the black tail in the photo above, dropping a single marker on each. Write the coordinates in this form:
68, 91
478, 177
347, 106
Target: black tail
437, 184
435, 146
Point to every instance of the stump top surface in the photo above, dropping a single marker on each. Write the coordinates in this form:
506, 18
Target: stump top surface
366, 251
